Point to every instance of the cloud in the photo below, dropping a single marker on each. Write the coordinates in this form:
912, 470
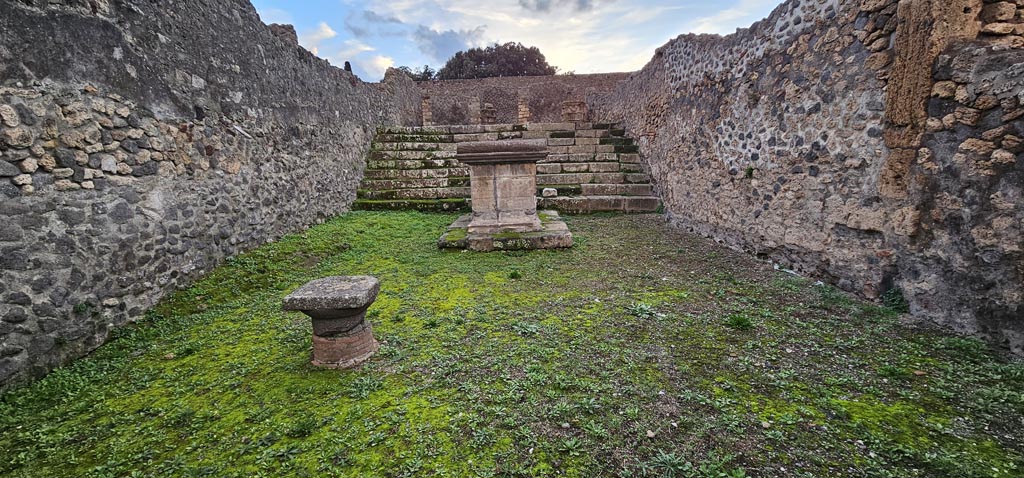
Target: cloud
352, 48
368, 23
275, 15
725, 21
373, 68
441, 45
545, 6
312, 39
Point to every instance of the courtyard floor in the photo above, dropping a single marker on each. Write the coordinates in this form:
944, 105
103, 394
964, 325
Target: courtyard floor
640, 352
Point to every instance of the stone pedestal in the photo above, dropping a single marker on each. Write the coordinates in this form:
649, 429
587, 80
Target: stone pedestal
342, 337
503, 188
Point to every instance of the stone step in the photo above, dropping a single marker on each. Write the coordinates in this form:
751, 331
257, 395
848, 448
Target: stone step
432, 205
413, 146
551, 127
415, 173
413, 138
617, 141
631, 168
581, 178
387, 155
435, 130
629, 158
417, 193
563, 189
484, 128
556, 168
493, 136
589, 204
412, 164
387, 184
638, 178
617, 189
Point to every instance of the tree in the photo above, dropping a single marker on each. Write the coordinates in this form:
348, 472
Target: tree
424, 74
510, 59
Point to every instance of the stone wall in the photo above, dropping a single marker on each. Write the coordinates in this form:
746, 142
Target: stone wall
814, 138
142, 142
516, 100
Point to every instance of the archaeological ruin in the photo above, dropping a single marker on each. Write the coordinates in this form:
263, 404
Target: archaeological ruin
872, 145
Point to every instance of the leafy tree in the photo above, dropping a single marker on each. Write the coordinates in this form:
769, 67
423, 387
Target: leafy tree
423, 74
509, 59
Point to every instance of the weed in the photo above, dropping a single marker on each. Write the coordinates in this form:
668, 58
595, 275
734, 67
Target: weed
739, 322
642, 311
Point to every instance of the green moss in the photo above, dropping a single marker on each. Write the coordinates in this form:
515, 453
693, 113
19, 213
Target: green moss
455, 235
538, 363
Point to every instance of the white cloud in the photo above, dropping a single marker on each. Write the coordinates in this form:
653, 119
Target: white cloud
585, 36
275, 15
374, 67
726, 21
353, 48
312, 39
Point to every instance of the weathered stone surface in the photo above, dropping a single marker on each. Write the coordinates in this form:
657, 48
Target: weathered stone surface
342, 337
387, 183
536, 99
336, 292
862, 147
554, 234
166, 162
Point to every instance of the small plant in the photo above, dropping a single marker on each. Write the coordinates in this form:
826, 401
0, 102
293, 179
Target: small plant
642, 310
893, 300
749, 172
302, 428
572, 446
739, 322
515, 275
363, 386
892, 371
526, 328
670, 465
589, 405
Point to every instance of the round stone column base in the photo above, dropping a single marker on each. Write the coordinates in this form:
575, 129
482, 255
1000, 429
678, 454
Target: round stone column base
345, 351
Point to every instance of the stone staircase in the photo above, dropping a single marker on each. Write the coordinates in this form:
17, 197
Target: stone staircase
593, 168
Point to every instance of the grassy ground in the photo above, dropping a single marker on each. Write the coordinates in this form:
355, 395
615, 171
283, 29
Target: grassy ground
640, 352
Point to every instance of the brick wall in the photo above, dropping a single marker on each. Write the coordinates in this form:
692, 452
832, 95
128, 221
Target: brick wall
455, 102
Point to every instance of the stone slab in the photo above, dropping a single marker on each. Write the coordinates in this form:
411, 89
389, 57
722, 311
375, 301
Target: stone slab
554, 235
334, 292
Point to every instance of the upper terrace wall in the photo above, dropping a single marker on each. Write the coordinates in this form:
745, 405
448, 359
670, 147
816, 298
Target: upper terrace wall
814, 138
141, 142
454, 102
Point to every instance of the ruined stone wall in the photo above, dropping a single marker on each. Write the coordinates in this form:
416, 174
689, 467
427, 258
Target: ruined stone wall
141, 142
811, 139
457, 102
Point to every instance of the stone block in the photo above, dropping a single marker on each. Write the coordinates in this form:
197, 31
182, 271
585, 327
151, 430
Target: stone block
549, 168
604, 167
575, 167
617, 190
561, 141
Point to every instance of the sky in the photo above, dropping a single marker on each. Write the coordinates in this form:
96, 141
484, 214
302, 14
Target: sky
581, 36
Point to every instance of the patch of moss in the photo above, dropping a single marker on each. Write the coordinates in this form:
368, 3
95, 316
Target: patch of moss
536, 363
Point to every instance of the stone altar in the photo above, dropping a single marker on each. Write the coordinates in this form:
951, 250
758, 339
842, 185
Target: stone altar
503, 188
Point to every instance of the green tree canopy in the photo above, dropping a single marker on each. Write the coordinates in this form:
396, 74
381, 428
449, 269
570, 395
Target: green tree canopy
424, 74
509, 59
